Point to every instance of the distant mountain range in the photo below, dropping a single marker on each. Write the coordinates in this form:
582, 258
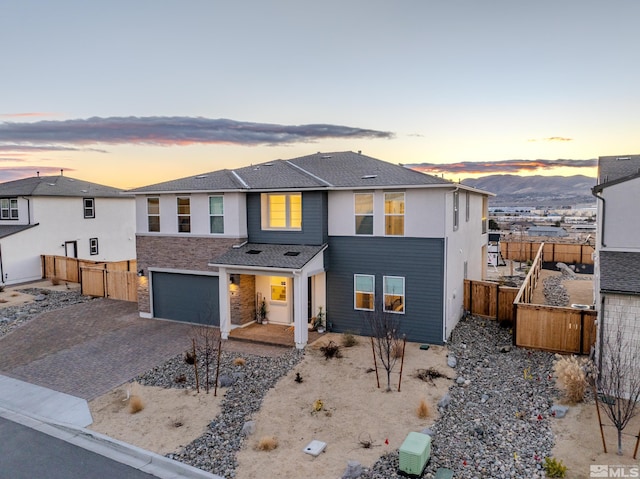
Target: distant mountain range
536, 191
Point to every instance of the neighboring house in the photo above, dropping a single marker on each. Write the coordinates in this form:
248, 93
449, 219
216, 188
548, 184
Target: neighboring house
59, 215
550, 231
339, 231
617, 278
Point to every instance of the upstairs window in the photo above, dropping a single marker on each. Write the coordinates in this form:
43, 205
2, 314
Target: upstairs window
89, 207
393, 287
363, 208
9, 208
456, 209
282, 211
153, 214
394, 214
216, 215
364, 293
184, 215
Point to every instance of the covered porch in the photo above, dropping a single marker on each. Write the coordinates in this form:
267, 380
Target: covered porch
260, 285
270, 334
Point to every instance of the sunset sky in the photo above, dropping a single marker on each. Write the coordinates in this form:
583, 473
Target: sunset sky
130, 93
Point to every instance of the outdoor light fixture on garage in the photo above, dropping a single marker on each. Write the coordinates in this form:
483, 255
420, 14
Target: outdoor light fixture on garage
141, 272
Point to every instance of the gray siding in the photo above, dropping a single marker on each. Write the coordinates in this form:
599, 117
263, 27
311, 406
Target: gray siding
314, 221
419, 260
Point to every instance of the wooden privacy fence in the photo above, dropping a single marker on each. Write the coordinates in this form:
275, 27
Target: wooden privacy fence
110, 279
553, 252
552, 328
109, 284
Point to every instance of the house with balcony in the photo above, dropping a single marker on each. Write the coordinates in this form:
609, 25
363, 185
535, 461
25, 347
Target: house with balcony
62, 216
342, 232
617, 265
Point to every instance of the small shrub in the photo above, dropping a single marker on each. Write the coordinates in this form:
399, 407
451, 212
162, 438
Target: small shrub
4, 300
331, 350
571, 377
180, 379
55, 281
423, 409
13, 295
267, 443
239, 361
298, 378
554, 468
135, 404
396, 350
189, 357
318, 405
430, 374
2, 286
349, 340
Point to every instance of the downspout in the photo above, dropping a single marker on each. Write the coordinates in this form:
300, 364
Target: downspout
444, 272
602, 222
28, 209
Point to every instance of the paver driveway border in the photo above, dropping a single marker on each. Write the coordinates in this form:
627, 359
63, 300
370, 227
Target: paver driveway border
90, 348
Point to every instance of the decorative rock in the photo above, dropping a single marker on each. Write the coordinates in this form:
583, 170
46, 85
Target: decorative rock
460, 380
428, 432
452, 361
484, 398
445, 401
248, 428
505, 348
40, 297
559, 411
353, 470
224, 381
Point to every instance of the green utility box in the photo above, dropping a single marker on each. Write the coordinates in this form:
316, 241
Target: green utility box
414, 454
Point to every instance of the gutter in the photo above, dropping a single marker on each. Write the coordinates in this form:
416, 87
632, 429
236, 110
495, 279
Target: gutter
602, 222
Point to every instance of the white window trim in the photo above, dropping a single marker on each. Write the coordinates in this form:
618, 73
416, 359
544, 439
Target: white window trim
93, 246
385, 294
356, 291
211, 215
266, 211
404, 215
179, 215
153, 214
91, 209
9, 209
372, 214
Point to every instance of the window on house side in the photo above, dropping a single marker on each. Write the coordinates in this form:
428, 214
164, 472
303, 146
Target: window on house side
363, 207
467, 199
184, 215
394, 214
153, 214
93, 246
393, 288
9, 208
89, 207
456, 209
364, 293
216, 215
283, 211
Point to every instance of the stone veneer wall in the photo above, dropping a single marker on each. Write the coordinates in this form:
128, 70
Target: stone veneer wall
243, 303
176, 252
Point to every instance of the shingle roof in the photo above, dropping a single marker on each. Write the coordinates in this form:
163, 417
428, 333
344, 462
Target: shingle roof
611, 168
8, 230
260, 255
318, 171
620, 272
57, 186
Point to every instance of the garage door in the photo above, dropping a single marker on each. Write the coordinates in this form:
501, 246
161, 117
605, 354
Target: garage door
186, 297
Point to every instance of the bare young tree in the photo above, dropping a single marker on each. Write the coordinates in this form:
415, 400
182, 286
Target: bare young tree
208, 344
618, 377
387, 343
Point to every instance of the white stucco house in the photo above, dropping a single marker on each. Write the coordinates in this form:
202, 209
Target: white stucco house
64, 216
617, 274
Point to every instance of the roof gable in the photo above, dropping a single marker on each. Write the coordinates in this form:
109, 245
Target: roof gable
612, 168
57, 186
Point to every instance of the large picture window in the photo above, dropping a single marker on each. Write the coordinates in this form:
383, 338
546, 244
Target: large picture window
184, 215
9, 208
363, 208
393, 288
282, 211
153, 214
394, 214
216, 215
364, 292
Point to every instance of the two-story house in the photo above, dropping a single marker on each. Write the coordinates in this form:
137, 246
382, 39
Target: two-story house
341, 231
617, 273
59, 215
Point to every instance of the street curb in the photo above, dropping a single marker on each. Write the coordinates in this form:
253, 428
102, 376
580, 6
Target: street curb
119, 451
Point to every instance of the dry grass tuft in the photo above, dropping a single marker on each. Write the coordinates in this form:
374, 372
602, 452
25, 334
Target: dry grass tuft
267, 443
239, 361
135, 404
55, 281
4, 300
571, 377
13, 295
396, 350
422, 411
349, 340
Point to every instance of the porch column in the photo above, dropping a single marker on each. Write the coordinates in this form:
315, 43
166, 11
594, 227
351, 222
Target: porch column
300, 330
224, 303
